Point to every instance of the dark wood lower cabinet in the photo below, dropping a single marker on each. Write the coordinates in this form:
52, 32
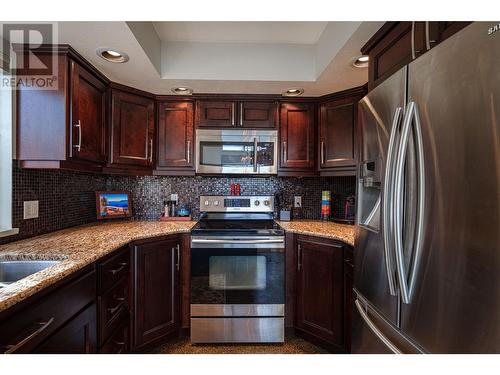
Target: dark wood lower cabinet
61, 319
156, 300
320, 292
78, 336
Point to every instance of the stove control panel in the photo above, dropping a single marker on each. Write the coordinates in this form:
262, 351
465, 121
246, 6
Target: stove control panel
236, 203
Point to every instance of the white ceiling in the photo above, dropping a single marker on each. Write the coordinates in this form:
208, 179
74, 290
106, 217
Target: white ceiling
234, 57
241, 32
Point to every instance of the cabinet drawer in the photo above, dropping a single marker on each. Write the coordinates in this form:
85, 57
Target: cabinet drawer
112, 270
28, 328
113, 308
118, 342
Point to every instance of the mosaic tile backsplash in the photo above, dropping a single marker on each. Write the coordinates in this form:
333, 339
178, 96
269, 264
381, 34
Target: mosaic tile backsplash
68, 198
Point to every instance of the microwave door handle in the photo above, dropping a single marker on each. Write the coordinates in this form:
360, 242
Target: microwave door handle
255, 144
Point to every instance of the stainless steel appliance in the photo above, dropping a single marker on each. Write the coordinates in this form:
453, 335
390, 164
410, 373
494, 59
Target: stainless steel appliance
427, 255
237, 271
230, 151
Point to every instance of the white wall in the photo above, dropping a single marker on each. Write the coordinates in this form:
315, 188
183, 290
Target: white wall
237, 61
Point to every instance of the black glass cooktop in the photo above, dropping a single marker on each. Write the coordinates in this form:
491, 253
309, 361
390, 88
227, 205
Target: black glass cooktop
235, 226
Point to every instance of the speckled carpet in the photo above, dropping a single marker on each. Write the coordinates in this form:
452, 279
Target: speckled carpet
292, 345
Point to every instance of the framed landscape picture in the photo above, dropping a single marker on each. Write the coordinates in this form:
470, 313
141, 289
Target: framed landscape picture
113, 204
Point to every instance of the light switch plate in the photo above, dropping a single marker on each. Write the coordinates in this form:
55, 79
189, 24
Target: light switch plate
30, 210
297, 203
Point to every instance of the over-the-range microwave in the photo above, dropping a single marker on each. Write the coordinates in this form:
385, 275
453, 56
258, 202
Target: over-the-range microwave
231, 151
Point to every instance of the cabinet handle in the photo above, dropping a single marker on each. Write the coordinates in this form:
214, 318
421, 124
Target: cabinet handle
427, 36
115, 271
178, 265
299, 257
233, 110
322, 151
78, 146
413, 50
241, 114
43, 327
284, 151
151, 150
113, 310
188, 151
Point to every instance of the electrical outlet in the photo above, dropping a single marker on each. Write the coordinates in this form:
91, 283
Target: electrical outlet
174, 197
30, 210
297, 201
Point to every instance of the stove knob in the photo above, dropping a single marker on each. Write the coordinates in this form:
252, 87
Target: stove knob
266, 203
216, 203
256, 202
207, 203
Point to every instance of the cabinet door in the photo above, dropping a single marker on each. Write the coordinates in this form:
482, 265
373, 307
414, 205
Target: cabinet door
78, 336
297, 135
348, 296
88, 115
337, 137
175, 135
319, 310
156, 290
394, 50
132, 129
257, 114
220, 114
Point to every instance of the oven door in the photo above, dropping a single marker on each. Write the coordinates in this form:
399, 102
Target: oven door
237, 277
236, 151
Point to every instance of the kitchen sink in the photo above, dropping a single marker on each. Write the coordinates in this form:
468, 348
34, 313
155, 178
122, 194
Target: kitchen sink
14, 270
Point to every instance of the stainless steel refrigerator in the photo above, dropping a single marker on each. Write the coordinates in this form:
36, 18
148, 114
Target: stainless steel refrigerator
427, 249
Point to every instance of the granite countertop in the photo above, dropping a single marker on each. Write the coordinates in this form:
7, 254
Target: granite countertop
318, 228
76, 248
80, 246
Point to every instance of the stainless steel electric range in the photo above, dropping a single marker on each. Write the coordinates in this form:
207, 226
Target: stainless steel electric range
237, 271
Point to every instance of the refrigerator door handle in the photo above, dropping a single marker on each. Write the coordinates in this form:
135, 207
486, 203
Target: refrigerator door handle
406, 287
421, 201
388, 195
374, 328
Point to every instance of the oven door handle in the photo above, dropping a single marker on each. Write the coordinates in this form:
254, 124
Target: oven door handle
193, 240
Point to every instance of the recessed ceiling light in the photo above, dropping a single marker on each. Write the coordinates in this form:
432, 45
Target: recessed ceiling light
112, 55
361, 61
293, 92
182, 90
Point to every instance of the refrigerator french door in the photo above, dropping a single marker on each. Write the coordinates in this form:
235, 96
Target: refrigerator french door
440, 210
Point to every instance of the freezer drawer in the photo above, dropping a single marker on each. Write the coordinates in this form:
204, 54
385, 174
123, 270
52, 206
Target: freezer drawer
372, 334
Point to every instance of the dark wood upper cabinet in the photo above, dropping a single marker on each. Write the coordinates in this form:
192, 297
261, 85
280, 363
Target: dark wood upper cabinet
236, 113
338, 134
297, 138
319, 312
87, 115
221, 114
65, 126
175, 138
156, 290
257, 114
132, 130
396, 44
